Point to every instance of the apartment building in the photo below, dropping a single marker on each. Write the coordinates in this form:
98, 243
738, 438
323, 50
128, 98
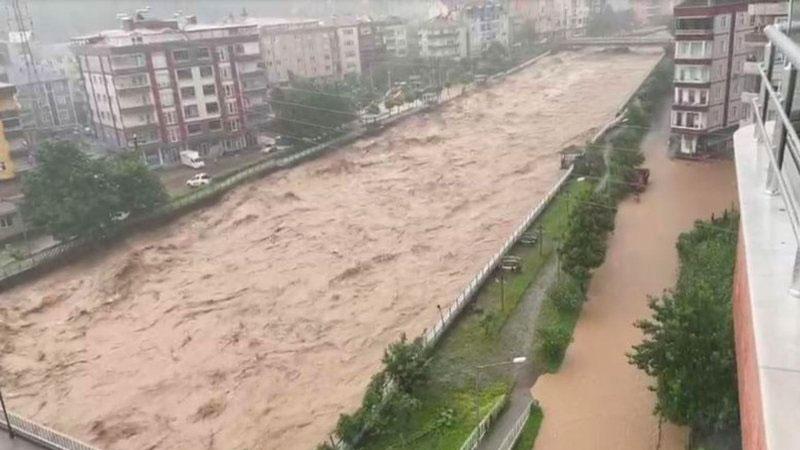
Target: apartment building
647, 12
443, 38
487, 22
162, 87
761, 14
9, 128
393, 37
46, 95
558, 19
349, 43
301, 47
710, 53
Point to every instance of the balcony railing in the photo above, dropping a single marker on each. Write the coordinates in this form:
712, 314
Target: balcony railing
773, 114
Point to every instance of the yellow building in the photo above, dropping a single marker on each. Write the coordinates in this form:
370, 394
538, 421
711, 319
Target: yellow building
9, 113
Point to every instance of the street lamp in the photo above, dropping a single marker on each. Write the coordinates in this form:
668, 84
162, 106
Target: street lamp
516, 360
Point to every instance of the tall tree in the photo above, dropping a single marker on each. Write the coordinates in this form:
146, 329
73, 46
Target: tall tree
71, 195
688, 346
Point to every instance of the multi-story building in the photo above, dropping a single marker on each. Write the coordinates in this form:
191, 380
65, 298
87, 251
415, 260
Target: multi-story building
162, 87
487, 22
555, 19
393, 35
9, 115
46, 95
301, 48
443, 38
348, 39
761, 14
646, 12
710, 53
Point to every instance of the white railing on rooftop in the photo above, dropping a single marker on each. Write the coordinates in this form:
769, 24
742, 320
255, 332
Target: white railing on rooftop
777, 136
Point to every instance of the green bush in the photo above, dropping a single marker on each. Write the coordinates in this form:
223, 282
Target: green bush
590, 219
553, 342
566, 295
688, 347
407, 363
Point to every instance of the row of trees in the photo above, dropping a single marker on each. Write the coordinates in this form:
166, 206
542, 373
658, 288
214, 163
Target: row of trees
71, 194
688, 346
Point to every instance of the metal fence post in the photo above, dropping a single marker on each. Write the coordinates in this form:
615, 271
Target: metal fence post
5, 414
794, 289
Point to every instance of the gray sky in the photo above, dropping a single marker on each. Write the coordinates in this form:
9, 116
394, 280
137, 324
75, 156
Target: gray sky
58, 20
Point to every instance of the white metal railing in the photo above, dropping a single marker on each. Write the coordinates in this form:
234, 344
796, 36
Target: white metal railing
42, 435
451, 313
480, 431
775, 132
516, 430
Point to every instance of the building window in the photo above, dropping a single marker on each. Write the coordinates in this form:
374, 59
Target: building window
206, 71
239, 49
6, 221
232, 125
180, 55
194, 128
170, 118
173, 134
190, 111
184, 74
222, 54
225, 73
212, 108
228, 88
209, 89
187, 92
232, 108
202, 53
215, 125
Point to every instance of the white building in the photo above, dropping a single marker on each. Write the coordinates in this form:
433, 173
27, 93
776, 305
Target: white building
443, 38
161, 87
487, 22
393, 34
301, 48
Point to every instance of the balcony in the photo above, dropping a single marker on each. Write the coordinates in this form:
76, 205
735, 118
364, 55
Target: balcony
768, 9
767, 281
694, 26
750, 68
138, 103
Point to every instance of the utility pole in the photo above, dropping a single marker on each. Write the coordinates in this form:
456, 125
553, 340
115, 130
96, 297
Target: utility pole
5, 414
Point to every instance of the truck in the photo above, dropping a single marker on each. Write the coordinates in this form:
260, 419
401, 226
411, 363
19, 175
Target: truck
192, 159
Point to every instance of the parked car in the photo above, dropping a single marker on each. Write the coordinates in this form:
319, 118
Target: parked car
200, 179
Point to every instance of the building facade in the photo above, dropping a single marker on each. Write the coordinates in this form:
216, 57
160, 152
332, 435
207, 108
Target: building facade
160, 88
301, 48
487, 22
394, 38
558, 19
443, 38
647, 12
710, 53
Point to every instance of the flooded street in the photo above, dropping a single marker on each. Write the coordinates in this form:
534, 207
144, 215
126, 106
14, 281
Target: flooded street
597, 400
255, 322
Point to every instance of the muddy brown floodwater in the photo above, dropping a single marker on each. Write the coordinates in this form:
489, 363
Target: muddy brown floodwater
255, 322
597, 400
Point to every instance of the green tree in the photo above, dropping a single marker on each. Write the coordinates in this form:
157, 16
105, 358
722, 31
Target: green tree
138, 187
688, 346
71, 195
553, 343
590, 219
407, 363
308, 109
